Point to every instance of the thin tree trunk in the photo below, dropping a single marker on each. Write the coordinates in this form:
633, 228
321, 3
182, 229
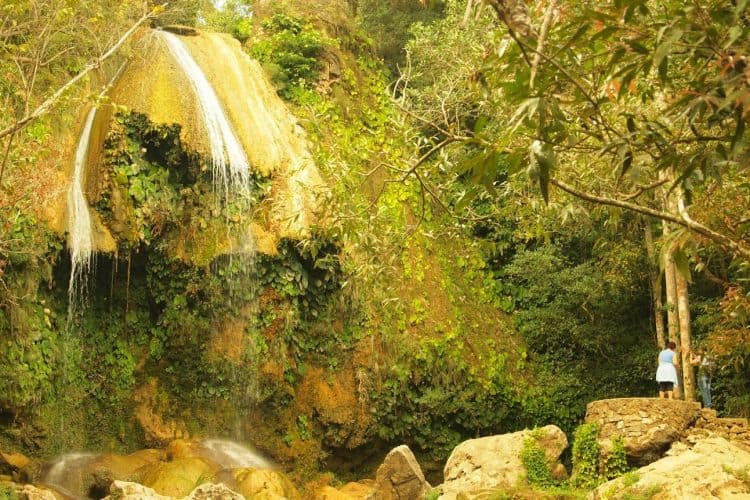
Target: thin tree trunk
683, 308
656, 286
670, 287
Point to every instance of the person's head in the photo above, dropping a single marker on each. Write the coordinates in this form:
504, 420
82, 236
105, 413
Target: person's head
671, 345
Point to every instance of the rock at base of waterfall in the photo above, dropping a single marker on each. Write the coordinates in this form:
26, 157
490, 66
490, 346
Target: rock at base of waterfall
495, 461
399, 477
213, 492
711, 468
359, 490
264, 484
123, 490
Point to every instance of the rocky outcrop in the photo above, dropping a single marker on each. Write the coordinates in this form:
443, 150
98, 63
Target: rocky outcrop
733, 429
399, 477
495, 462
711, 468
648, 426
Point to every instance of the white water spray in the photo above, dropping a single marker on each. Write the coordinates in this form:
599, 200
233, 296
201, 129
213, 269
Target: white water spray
79, 220
230, 166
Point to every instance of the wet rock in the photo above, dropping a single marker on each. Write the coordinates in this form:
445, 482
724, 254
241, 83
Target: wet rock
399, 477
179, 477
265, 484
712, 468
494, 462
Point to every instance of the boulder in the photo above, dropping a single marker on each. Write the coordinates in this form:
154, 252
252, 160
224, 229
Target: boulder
494, 462
399, 477
123, 490
712, 468
179, 477
648, 426
265, 484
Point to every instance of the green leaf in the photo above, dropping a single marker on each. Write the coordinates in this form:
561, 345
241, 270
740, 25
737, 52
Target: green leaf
542, 161
663, 49
527, 109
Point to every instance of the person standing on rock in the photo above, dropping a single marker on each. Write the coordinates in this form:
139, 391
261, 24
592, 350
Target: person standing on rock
666, 373
705, 364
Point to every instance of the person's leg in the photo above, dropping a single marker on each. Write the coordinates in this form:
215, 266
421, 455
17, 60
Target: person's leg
703, 389
670, 394
707, 397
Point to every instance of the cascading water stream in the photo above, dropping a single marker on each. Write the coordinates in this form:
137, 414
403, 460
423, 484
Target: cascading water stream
79, 221
230, 166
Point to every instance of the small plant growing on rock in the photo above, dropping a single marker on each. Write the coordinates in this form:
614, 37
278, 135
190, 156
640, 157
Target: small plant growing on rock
535, 461
616, 464
586, 452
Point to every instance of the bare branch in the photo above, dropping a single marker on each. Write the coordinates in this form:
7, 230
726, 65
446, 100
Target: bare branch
50, 101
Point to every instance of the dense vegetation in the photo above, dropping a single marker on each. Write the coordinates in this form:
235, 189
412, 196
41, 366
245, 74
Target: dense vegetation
483, 266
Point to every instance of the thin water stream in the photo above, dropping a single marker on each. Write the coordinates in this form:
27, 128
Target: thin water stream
230, 166
79, 221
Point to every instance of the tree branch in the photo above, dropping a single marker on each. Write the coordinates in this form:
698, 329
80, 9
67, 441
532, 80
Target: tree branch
684, 220
50, 101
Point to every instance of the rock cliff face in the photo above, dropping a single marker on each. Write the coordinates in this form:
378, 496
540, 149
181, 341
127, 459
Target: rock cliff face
155, 84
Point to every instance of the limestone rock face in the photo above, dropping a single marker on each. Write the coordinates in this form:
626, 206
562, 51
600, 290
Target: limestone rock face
495, 461
712, 468
399, 477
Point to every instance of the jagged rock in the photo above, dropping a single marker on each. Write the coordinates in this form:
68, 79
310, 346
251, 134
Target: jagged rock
123, 490
712, 468
494, 462
214, 492
399, 477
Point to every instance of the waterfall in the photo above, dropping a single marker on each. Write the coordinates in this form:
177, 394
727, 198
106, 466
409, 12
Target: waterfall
230, 166
79, 220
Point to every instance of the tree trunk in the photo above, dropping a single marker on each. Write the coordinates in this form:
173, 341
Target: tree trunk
656, 286
670, 287
683, 308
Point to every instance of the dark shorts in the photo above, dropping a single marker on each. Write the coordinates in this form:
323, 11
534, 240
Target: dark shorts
666, 386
